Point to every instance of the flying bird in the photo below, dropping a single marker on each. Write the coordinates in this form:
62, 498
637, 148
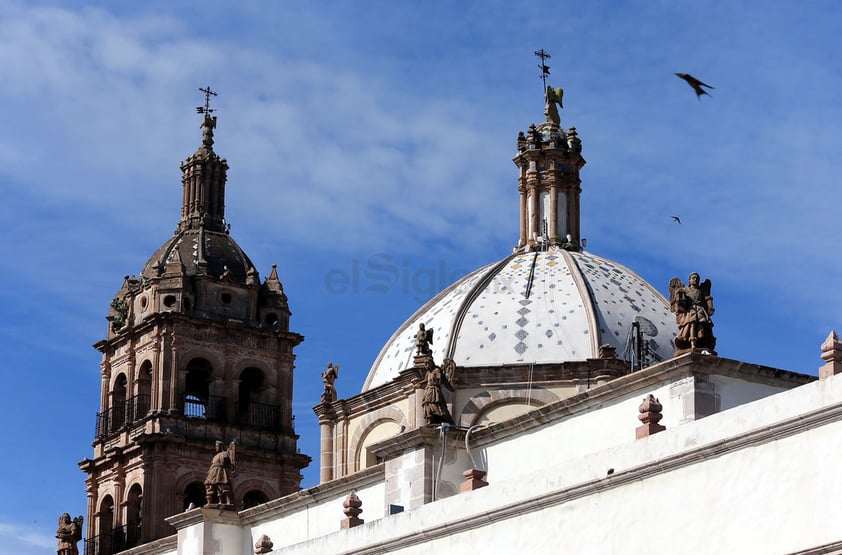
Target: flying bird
696, 84
676, 218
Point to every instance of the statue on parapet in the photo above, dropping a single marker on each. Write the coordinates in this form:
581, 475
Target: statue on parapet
423, 340
329, 377
693, 308
69, 533
433, 402
218, 489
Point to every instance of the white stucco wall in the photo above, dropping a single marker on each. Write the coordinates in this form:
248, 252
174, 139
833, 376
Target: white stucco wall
319, 519
759, 478
748, 480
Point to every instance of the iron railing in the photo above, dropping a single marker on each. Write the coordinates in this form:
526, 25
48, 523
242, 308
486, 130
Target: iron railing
120, 539
212, 409
122, 413
258, 415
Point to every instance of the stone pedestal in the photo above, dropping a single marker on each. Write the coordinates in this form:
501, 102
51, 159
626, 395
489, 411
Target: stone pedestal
208, 530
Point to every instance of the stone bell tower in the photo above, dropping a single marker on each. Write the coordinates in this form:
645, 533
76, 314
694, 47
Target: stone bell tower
549, 159
197, 350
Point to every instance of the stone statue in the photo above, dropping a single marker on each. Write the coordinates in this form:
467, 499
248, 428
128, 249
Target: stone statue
423, 340
329, 376
121, 309
435, 407
693, 307
552, 98
208, 125
218, 482
69, 533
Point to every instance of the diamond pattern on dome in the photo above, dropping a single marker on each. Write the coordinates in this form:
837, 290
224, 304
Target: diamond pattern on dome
527, 285
438, 314
494, 328
621, 297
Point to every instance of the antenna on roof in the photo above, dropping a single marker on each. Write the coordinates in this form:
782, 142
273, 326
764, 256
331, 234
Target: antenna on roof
639, 352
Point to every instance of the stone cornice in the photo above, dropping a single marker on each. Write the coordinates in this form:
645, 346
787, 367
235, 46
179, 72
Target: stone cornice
648, 378
282, 506
163, 545
413, 439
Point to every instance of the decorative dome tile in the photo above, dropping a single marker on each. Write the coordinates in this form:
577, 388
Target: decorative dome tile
541, 307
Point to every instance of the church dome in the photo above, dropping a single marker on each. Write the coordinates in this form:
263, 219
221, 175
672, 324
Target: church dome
550, 302
202, 244
534, 307
201, 252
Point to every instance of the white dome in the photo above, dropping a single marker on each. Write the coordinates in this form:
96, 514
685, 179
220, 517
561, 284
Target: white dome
533, 307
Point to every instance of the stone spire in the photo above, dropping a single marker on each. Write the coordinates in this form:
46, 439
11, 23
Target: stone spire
549, 159
203, 177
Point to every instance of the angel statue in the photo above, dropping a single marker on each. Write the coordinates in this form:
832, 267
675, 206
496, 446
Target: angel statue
329, 377
423, 340
69, 533
218, 482
552, 98
433, 402
693, 307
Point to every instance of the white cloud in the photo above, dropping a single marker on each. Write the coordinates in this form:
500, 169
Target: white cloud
20, 539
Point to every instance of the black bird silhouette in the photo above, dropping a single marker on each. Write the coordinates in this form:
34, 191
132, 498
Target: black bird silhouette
676, 218
696, 84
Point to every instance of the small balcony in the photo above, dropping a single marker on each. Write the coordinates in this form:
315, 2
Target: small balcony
123, 413
120, 539
258, 415
212, 409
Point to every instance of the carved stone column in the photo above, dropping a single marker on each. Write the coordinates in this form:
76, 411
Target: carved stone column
553, 217
327, 448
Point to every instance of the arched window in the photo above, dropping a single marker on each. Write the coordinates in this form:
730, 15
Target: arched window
254, 498
194, 494
118, 404
144, 390
134, 509
249, 410
105, 526
197, 401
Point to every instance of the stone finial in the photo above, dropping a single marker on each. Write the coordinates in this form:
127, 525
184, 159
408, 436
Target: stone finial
351, 508
832, 355
473, 480
650, 414
264, 545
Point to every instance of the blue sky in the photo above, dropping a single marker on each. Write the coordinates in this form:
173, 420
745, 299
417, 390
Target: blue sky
364, 134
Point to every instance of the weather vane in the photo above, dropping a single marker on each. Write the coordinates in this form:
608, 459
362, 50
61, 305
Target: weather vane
206, 109
545, 69
208, 122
